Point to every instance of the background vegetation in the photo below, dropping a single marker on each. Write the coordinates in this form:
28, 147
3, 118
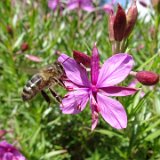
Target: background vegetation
42, 132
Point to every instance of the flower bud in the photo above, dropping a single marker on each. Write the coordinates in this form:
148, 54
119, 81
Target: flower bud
9, 30
120, 23
143, 3
24, 47
82, 58
33, 58
152, 32
110, 27
132, 15
147, 77
156, 4
2, 133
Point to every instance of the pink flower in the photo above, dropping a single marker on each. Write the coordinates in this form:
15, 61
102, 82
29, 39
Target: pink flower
53, 4
9, 152
99, 89
109, 7
81, 4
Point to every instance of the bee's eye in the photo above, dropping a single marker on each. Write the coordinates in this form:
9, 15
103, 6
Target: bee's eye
59, 65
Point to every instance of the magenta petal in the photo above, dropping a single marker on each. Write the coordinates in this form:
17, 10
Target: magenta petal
75, 101
94, 120
133, 84
52, 4
72, 4
112, 111
94, 65
86, 5
118, 91
76, 73
87, 8
115, 70
9, 156
8, 151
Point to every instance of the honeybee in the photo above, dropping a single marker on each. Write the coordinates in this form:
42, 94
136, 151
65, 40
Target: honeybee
47, 77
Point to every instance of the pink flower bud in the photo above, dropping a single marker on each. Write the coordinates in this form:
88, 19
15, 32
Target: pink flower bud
110, 27
152, 32
33, 58
131, 19
2, 133
147, 77
156, 5
24, 47
155, 2
120, 23
82, 58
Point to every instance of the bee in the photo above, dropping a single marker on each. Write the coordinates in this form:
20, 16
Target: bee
47, 77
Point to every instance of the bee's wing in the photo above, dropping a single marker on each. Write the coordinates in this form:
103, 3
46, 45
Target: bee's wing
28, 70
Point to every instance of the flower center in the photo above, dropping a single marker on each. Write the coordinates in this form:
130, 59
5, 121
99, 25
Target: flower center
94, 89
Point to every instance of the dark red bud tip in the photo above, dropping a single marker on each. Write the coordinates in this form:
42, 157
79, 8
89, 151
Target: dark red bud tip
24, 47
2, 133
120, 23
9, 30
143, 3
82, 58
147, 77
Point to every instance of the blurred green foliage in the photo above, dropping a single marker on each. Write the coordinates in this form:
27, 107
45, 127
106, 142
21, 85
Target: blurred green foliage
41, 131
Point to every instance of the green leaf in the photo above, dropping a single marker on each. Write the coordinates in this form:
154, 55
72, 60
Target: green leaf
53, 154
19, 41
153, 135
109, 133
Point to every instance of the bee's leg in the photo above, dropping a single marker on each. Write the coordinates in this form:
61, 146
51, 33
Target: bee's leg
55, 95
46, 97
60, 82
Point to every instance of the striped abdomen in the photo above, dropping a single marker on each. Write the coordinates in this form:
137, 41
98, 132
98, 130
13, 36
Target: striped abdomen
32, 87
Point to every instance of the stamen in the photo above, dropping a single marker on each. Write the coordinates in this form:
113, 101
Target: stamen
79, 107
66, 96
69, 88
94, 89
